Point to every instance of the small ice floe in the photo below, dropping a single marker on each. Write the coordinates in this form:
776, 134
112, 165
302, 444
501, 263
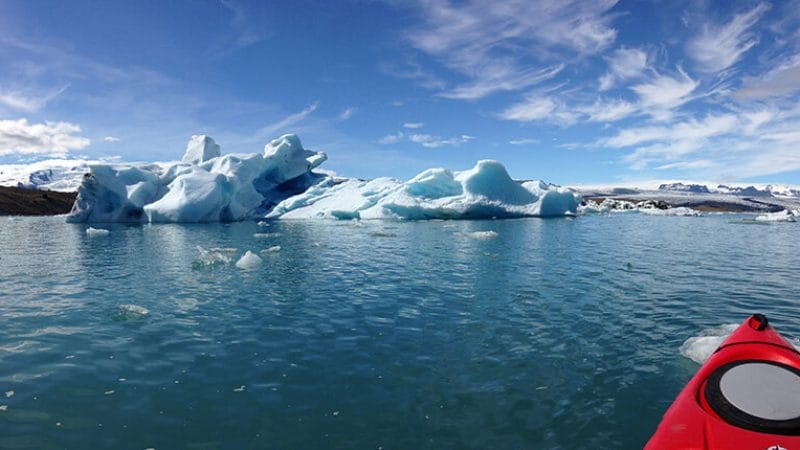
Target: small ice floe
9, 394
780, 216
335, 413
212, 257
483, 234
111, 392
263, 223
131, 312
273, 249
3, 407
699, 348
679, 211
97, 232
239, 389
248, 261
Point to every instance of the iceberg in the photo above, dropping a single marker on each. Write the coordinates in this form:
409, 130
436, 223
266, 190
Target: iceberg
280, 183
485, 191
203, 187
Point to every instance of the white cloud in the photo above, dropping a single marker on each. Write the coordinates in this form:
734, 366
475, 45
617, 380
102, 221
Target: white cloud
413, 125
784, 80
688, 165
18, 137
111, 139
718, 47
505, 44
692, 130
535, 108
496, 78
246, 30
391, 138
347, 113
29, 102
623, 64
425, 140
430, 141
608, 110
659, 96
282, 126
523, 141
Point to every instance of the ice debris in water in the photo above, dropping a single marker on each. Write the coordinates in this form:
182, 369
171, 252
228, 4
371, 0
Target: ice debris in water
699, 348
96, 232
131, 312
263, 223
9, 394
273, 249
3, 407
483, 234
239, 389
212, 257
780, 216
248, 261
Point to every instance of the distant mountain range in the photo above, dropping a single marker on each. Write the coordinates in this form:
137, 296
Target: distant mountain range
769, 190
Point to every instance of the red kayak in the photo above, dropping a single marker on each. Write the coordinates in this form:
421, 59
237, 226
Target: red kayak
746, 396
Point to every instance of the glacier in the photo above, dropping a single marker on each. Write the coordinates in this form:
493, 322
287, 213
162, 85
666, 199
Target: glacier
280, 183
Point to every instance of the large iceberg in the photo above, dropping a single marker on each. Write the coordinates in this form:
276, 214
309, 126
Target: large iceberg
485, 191
280, 183
203, 187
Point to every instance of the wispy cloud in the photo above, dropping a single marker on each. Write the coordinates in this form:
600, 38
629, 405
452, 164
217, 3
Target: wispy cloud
719, 46
111, 139
781, 81
425, 140
536, 108
27, 102
56, 139
504, 45
523, 141
247, 31
413, 125
283, 126
688, 165
663, 93
604, 110
623, 64
347, 113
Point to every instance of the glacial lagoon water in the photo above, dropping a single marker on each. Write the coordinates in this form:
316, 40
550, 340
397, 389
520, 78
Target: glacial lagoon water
557, 333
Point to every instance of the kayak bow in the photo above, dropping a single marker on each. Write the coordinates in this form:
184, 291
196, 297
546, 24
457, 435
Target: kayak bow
746, 396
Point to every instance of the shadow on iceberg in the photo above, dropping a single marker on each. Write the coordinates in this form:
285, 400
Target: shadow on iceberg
280, 183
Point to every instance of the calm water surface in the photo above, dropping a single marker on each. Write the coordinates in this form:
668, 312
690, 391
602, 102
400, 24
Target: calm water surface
559, 333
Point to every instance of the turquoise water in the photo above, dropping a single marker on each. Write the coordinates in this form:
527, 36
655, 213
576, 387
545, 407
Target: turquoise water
560, 333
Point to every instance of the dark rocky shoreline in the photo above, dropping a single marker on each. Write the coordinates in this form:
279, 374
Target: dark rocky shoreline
34, 202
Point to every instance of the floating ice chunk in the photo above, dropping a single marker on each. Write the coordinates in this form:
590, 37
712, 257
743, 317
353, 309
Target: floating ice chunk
111, 392
780, 216
96, 232
263, 223
9, 394
679, 211
273, 249
699, 348
265, 235
212, 257
131, 312
483, 234
248, 261
200, 148
240, 388
3, 407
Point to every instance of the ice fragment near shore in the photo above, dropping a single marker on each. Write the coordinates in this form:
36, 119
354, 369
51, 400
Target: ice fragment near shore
699, 348
248, 261
131, 312
96, 232
780, 216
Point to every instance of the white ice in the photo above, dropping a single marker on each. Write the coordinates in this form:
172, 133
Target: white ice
780, 216
699, 348
279, 183
248, 261
485, 191
96, 232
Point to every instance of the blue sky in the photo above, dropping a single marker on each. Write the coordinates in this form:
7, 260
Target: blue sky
567, 91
